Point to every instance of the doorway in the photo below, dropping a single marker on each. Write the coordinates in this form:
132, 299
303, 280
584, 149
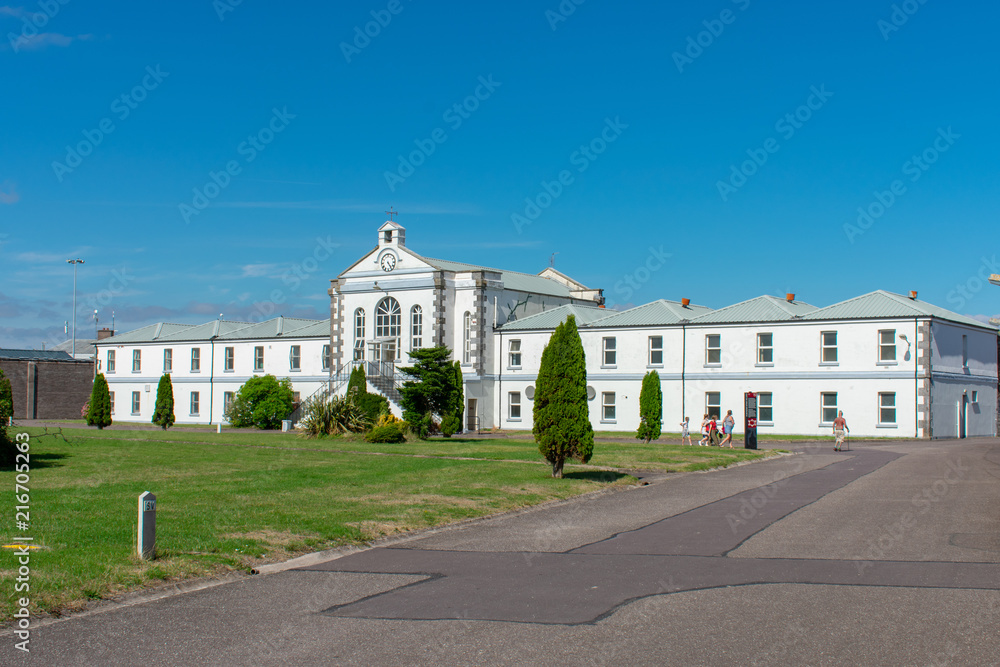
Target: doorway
472, 415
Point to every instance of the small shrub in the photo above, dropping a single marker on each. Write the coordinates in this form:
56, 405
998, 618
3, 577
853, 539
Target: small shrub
450, 425
85, 409
99, 409
334, 416
372, 405
390, 433
421, 426
387, 418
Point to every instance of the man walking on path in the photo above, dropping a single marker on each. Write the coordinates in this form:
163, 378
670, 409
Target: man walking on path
839, 426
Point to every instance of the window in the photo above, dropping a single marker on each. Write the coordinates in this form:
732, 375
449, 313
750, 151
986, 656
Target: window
828, 402
168, 360
136, 361
295, 358
416, 328
608, 406
258, 358
887, 346
227, 401
887, 408
296, 400
135, 402
387, 235
975, 397
713, 349
195, 400
765, 348
656, 350
514, 353
230, 360
359, 334
514, 406
111, 396
467, 338
829, 344
765, 411
610, 351
713, 403
388, 319
327, 361
965, 351
195, 359
111, 361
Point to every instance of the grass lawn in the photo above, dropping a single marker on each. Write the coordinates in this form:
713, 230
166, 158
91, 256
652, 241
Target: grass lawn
234, 500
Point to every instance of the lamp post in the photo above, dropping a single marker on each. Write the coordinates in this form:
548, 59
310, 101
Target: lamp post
74, 262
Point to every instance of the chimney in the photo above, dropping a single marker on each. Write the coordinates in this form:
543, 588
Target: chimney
104, 333
685, 302
913, 294
789, 297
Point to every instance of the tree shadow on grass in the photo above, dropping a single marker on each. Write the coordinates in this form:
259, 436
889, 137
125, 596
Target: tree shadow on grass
603, 476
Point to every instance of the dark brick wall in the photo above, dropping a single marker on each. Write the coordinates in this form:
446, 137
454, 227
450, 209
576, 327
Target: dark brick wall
60, 387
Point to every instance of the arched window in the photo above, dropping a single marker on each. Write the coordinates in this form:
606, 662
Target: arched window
416, 328
467, 338
359, 334
388, 318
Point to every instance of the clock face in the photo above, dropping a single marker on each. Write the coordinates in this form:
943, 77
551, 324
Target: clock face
388, 262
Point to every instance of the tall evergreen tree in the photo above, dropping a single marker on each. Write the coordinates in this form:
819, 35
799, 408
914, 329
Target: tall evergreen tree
163, 416
561, 415
650, 408
433, 392
8, 449
99, 413
357, 384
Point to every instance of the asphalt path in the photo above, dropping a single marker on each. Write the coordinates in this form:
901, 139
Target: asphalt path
886, 554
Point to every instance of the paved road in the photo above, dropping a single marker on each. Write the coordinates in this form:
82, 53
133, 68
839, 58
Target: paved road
888, 554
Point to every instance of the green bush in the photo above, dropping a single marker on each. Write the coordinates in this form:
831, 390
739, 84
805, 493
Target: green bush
99, 412
372, 405
450, 425
334, 416
650, 408
263, 402
163, 416
392, 433
7, 448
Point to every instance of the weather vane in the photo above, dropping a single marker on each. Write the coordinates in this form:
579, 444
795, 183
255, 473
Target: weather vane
391, 213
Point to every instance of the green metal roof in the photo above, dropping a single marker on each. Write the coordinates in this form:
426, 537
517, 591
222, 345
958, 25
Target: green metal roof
550, 319
761, 309
285, 327
655, 313
146, 334
880, 304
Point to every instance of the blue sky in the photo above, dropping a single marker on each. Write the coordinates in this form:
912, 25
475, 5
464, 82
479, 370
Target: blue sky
736, 136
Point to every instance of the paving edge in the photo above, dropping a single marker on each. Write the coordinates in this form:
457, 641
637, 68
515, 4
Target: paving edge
194, 585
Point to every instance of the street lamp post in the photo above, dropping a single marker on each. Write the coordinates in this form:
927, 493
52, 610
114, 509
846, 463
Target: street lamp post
74, 262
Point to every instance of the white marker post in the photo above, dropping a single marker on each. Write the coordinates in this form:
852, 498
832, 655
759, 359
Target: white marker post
146, 545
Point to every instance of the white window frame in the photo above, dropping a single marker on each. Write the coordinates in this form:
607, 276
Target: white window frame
824, 346
713, 409
229, 360
965, 352
168, 360
824, 406
295, 358
765, 406
467, 338
111, 396
136, 361
514, 406
514, 353
359, 334
389, 320
136, 402
653, 350
258, 359
195, 359
763, 349
713, 351
884, 348
327, 360
416, 328
111, 361
227, 400
609, 352
609, 406
195, 405
975, 397
882, 395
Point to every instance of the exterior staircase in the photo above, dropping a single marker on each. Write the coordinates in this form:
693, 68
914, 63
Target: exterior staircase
382, 376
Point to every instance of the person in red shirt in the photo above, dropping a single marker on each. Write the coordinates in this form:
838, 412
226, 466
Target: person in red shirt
839, 426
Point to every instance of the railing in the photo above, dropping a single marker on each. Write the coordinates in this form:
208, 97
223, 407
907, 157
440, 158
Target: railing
384, 376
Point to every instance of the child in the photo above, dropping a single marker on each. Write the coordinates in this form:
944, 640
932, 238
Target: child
713, 431
685, 431
704, 431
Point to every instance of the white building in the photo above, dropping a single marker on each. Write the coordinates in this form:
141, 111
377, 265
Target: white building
895, 365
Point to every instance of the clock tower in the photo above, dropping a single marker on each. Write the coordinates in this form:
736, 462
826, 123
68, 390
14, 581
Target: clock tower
391, 237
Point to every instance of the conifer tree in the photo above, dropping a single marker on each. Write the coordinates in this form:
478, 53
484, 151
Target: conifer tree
8, 449
99, 413
561, 415
650, 408
163, 416
436, 390
357, 384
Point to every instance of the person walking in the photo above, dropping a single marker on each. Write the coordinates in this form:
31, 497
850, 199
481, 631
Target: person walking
728, 424
686, 431
704, 431
839, 426
713, 431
